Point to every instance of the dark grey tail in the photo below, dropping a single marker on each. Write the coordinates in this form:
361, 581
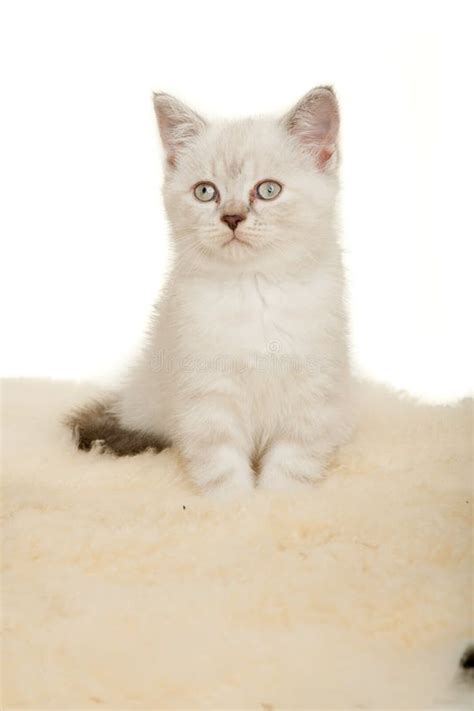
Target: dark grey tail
467, 661
97, 424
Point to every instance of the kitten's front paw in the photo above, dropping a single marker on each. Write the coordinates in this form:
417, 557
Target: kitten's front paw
235, 487
221, 471
289, 468
282, 481
218, 480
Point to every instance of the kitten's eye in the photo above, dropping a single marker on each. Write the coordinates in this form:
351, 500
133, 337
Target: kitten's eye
205, 192
268, 190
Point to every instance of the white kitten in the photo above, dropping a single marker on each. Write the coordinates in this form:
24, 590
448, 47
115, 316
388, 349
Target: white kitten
245, 369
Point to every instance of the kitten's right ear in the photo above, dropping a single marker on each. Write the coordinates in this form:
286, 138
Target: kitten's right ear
178, 124
314, 122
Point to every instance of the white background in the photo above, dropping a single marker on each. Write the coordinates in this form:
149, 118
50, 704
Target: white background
83, 228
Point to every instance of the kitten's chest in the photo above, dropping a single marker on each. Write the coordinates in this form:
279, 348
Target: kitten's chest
249, 316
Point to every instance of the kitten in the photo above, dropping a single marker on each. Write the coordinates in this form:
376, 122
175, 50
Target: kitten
245, 369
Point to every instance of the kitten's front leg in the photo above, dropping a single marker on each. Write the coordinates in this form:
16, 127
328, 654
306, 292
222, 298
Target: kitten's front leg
301, 445
291, 464
215, 447
219, 470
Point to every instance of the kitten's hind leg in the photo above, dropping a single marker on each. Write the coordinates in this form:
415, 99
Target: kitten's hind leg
98, 423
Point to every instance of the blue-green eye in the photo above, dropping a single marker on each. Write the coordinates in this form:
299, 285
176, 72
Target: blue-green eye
268, 189
205, 192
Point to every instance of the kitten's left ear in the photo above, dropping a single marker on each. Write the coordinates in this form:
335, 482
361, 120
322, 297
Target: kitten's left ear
178, 124
314, 122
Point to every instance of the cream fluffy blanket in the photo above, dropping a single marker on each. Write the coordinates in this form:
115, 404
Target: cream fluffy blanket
124, 590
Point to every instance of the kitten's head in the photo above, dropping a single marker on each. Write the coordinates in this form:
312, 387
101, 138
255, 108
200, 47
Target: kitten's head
253, 192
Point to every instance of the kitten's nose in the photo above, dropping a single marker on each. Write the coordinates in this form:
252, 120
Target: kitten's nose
233, 220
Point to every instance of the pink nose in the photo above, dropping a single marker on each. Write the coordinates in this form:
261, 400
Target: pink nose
233, 220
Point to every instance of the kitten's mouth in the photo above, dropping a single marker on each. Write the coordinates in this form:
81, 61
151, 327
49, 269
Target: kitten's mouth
234, 238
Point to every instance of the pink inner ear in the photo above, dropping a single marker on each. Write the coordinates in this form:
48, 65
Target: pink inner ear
323, 156
315, 123
167, 138
178, 124
319, 142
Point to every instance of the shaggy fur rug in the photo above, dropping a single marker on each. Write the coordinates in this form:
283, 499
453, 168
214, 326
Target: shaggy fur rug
122, 589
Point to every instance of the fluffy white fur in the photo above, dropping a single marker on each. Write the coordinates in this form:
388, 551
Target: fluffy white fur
246, 360
354, 595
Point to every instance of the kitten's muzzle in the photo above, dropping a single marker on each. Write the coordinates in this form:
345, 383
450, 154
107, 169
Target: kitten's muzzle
233, 220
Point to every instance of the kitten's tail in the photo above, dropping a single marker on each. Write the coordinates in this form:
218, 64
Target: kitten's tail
97, 425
